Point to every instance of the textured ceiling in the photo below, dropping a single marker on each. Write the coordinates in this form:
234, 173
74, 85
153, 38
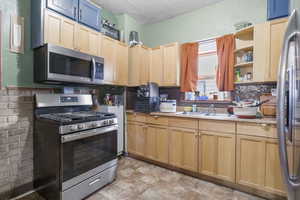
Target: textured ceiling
151, 11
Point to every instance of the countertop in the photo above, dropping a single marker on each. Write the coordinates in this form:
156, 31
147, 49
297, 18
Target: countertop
223, 117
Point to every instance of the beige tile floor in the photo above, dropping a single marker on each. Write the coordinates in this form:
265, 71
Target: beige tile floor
137, 180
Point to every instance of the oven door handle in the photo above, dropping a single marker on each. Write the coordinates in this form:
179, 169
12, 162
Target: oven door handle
86, 134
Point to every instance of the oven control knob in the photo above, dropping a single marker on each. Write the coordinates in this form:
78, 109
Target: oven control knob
111, 121
105, 123
80, 126
94, 125
73, 128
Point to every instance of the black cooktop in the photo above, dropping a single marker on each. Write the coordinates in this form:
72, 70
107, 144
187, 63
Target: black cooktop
77, 117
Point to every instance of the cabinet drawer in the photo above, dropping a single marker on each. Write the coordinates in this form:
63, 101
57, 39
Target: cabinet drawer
219, 126
136, 117
183, 123
254, 129
157, 120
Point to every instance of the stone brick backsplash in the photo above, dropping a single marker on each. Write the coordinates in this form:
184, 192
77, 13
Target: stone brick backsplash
16, 140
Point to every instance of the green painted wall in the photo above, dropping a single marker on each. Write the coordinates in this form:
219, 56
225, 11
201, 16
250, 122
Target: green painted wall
106, 14
127, 23
210, 21
18, 68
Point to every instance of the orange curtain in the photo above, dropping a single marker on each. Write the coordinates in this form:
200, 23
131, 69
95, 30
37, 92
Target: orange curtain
189, 67
225, 72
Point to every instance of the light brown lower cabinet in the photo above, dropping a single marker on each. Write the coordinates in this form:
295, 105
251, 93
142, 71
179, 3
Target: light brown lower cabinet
258, 164
157, 143
136, 138
162, 145
183, 148
217, 155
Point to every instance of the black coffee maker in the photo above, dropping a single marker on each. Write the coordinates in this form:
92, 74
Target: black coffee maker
147, 98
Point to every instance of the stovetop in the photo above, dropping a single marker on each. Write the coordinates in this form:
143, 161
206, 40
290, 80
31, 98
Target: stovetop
77, 117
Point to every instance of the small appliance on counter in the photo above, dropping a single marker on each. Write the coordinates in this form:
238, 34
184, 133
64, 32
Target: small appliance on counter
168, 106
147, 98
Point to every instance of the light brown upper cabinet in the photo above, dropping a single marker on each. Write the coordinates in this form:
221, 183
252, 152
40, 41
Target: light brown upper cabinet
64, 32
144, 57
122, 64
139, 63
171, 65
134, 68
156, 66
68, 34
109, 53
87, 41
268, 41
53, 28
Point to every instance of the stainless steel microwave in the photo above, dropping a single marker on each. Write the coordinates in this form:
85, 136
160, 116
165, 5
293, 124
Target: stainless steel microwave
55, 64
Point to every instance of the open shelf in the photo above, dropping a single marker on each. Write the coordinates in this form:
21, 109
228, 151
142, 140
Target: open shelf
246, 48
244, 31
244, 64
244, 82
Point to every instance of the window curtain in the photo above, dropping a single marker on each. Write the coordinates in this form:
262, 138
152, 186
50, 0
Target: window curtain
189, 67
225, 71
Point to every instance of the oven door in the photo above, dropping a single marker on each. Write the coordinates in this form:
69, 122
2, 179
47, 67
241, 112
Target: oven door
87, 153
65, 65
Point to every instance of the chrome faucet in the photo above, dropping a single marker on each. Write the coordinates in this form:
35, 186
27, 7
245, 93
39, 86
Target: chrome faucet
211, 110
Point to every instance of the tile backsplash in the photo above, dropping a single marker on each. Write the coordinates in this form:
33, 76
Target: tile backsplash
254, 91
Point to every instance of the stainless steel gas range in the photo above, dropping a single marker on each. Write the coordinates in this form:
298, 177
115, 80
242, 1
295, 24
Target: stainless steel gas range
75, 148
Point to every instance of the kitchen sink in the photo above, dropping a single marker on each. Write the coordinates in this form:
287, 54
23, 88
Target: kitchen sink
206, 114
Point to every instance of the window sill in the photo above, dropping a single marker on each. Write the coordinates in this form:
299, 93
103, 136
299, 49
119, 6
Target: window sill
207, 101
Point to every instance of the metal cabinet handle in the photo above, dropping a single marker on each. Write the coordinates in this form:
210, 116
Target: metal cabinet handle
95, 181
80, 14
75, 12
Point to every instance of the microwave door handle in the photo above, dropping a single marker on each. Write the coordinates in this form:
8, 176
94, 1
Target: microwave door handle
93, 69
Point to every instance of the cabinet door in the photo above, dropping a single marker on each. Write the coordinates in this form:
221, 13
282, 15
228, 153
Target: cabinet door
261, 53
144, 58
68, 34
251, 161
122, 64
134, 66
274, 181
109, 54
151, 143
277, 30
89, 14
156, 66
68, 8
53, 28
225, 168
131, 138
162, 145
83, 42
277, 8
171, 65
141, 132
93, 43
207, 154
175, 146
190, 150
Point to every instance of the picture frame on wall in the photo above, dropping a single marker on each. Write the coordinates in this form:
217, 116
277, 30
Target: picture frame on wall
17, 34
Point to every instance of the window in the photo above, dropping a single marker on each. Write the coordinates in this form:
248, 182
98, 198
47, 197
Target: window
207, 66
